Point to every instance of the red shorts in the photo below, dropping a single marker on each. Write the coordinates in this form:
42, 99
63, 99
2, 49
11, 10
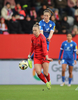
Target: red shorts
40, 61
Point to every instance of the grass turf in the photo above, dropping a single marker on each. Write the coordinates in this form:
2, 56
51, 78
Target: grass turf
38, 92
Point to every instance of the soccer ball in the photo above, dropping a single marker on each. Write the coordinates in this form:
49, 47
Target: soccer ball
23, 65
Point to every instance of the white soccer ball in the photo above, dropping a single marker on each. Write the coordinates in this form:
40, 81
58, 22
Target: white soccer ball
23, 65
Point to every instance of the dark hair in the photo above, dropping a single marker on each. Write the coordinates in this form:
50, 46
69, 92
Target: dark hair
69, 33
49, 11
8, 3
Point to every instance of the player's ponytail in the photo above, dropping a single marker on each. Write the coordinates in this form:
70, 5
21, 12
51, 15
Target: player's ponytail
36, 25
49, 11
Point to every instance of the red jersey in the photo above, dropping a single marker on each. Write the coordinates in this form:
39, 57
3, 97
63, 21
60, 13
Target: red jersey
39, 46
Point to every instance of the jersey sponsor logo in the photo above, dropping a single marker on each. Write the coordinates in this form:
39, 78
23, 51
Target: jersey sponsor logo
67, 49
50, 25
47, 29
71, 45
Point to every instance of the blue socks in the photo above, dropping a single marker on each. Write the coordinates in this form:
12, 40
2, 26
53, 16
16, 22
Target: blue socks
63, 78
70, 79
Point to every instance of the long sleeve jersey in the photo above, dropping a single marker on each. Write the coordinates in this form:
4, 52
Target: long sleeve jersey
39, 46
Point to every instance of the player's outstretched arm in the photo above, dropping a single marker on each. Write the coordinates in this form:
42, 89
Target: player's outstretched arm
50, 35
60, 56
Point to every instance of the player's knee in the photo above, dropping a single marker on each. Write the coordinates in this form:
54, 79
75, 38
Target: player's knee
70, 72
45, 73
63, 70
38, 72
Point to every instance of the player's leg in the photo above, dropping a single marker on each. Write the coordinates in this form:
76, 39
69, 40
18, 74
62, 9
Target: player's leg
70, 74
45, 70
47, 75
63, 74
30, 60
38, 68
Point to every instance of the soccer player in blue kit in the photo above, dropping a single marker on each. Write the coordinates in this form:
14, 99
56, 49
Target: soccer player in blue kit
47, 28
68, 48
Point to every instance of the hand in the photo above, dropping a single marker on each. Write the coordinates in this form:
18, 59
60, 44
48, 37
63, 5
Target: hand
59, 61
48, 39
75, 62
49, 59
29, 56
77, 52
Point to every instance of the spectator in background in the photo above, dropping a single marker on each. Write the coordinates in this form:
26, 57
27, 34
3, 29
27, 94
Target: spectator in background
41, 10
20, 14
1, 5
56, 14
27, 25
40, 18
75, 30
33, 14
6, 12
19, 10
3, 27
76, 20
18, 6
76, 17
57, 23
61, 5
51, 7
39, 3
72, 5
51, 2
14, 26
12, 2
64, 25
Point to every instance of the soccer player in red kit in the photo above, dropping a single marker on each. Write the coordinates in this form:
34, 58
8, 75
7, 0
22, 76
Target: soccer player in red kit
41, 59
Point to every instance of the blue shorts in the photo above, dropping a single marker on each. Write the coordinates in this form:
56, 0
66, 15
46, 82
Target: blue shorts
69, 62
48, 45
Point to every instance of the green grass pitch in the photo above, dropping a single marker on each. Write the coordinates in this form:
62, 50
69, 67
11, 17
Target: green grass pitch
38, 92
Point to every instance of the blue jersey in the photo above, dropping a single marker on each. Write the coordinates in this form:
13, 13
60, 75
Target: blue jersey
69, 50
46, 27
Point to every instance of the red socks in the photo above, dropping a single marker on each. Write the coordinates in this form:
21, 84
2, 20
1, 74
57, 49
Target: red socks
42, 77
48, 77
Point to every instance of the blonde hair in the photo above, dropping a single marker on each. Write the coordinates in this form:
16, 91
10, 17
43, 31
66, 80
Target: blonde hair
36, 25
